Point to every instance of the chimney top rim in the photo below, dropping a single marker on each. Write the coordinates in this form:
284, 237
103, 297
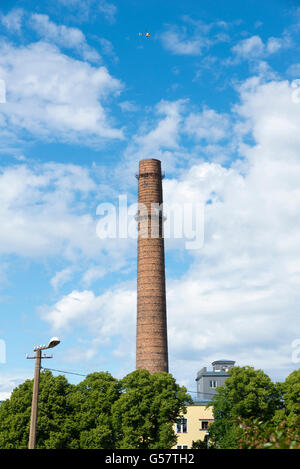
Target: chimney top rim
150, 159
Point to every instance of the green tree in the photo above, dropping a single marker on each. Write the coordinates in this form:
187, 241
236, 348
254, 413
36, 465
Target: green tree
148, 407
53, 416
100, 412
282, 431
291, 397
267, 435
202, 444
247, 394
92, 401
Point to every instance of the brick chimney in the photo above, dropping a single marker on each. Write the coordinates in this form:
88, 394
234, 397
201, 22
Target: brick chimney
151, 338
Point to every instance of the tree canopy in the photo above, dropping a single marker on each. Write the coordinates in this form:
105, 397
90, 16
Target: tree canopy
147, 409
252, 411
54, 414
101, 412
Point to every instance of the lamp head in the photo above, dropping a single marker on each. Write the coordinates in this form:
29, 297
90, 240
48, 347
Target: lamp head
53, 342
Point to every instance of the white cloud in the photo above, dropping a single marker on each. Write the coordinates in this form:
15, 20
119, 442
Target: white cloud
106, 322
108, 9
194, 36
128, 106
48, 212
254, 48
273, 116
166, 132
242, 291
249, 48
63, 36
294, 70
158, 135
63, 99
109, 315
71, 309
274, 44
88, 8
61, 277
107, 48
178, 43
207, 125
9, 382
80, 355
38, 211
240, 297
13, 20
92, 274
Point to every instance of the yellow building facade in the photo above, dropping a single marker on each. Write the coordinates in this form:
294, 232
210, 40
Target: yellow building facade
193, 426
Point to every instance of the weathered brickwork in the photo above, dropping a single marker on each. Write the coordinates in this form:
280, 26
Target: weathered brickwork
151, 337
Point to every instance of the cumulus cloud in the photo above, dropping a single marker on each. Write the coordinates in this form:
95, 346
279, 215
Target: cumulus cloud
37, 210
193, 37
273, 115
165, 134
254, 48
239, 298
13, 20
108, 315
250, 47
107, 319
63, 36
89, 7
294, 70
9, 382
128, 106
47, 213
178, 43
61, 100
92, 274
207, 125
108, 9
158, 134
61, 277
242, 290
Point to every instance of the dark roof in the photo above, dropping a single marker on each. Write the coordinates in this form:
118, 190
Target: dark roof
213, 374
221, 362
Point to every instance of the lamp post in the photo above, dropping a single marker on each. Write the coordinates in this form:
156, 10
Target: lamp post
35, 394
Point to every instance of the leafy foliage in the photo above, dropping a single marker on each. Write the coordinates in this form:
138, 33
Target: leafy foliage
252, 412
202, 444
246, 394
54, 412
147, 408
100, 412
291, 398
92, 401
264, 435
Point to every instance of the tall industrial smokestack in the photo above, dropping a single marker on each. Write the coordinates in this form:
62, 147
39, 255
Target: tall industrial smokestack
151, 340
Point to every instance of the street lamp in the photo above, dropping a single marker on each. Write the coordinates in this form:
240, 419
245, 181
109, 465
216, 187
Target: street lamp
53, 342
35, 394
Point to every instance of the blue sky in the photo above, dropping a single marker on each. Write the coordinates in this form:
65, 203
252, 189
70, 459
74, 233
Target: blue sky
213, 94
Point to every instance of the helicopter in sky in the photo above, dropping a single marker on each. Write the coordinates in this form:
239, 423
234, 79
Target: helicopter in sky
145, 34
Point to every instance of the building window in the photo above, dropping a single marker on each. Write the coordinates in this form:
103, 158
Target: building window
213, 384
204, 425
181, 425
182, 447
